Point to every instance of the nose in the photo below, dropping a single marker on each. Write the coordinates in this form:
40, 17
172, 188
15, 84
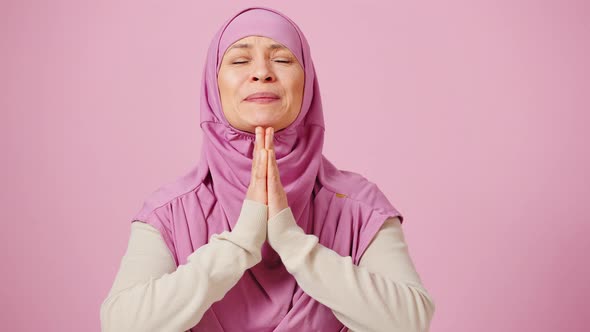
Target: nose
262, 72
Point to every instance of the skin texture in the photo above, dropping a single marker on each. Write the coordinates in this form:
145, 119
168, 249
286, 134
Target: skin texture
258, 68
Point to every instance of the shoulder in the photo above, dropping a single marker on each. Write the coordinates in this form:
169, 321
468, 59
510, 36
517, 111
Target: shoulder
392, 222
139, 226
165, 195
360, 190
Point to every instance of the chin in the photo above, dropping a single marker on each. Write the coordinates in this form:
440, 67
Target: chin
264, 124
262, 120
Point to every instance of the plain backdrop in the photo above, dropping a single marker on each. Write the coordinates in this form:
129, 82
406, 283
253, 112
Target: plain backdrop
471, 116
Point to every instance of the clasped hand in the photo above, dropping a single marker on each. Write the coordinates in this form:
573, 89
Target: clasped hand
265, 184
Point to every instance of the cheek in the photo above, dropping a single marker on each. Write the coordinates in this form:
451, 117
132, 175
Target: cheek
229, 82
296, 87
293, 83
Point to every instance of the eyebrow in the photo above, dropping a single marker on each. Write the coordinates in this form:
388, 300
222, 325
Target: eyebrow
246, 45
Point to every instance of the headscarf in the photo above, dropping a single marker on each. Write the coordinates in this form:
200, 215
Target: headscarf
342, 208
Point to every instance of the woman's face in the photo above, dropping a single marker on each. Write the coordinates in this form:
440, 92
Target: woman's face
259, 64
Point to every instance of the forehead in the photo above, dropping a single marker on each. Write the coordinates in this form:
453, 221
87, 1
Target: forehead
251, 42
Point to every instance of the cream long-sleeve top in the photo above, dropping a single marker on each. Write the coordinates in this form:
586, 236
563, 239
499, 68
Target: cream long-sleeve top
150, 293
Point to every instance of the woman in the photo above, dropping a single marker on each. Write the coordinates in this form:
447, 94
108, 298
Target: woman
265, 234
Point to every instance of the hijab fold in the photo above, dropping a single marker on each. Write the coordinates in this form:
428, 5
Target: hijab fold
342, 208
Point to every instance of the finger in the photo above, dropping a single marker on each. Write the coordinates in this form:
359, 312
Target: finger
269, 176
263, 155
275, 167
255, 164
273, 179
255, 153
269, 136
271, 145
259, 138
258, 135
261, 175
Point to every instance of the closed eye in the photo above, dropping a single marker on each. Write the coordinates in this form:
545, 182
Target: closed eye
240, 62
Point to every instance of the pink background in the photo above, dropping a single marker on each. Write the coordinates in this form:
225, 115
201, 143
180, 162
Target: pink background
471, 116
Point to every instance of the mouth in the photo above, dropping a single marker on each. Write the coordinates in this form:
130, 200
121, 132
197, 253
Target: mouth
262, 100
263, 97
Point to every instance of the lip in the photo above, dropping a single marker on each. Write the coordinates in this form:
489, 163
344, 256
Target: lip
264, 97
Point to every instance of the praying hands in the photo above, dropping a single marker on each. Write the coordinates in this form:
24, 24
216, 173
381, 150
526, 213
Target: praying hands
265, 182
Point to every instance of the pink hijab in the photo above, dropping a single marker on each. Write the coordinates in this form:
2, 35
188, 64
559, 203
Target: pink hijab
343, 209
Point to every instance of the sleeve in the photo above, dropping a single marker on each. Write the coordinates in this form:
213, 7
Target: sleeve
383, 293
151, 294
